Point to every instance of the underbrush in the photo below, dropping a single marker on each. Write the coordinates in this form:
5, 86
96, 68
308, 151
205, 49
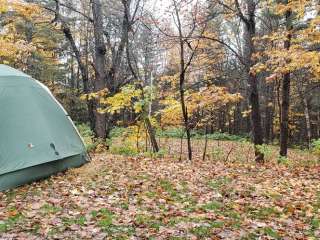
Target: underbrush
197, 134
90, 142
133, 141
316, 147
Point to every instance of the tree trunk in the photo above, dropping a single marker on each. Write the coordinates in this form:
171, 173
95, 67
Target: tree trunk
269, 114
308, 122
182, 79
285, 97
249, 50
72, 77
83, 71
100, 66
152, 135
185, 119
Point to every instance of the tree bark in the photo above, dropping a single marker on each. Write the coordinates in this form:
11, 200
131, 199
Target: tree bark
152, 135
308, 122
285, 96
249, 50
269, 114
100, 66
182, 79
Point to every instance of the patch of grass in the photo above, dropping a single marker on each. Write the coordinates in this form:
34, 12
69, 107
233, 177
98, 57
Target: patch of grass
271, 233
79, 220
217, 153
263, 213
315, 223
10, 195
231, 214
202, 231
104, 217
262, 232
170, 189
177, 238
123, 150
35, 228
219, 183
160, 154
217, 224
120, 232
214, 205
10, 222
48, 208
175, 220
250, 236
151, 194
316, 204
273, 195
124, 205
148, 221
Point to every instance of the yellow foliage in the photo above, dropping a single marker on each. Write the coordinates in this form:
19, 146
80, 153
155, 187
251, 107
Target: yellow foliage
206, 99
301, 55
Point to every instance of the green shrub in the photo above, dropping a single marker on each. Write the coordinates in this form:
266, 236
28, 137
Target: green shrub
160, 154
87, 136
217, 153
124, 150
225, 137
178, 132
171, 133
116, 132
265, 150
316, 147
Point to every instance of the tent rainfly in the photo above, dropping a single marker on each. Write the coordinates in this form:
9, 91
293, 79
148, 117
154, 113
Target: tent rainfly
37, 137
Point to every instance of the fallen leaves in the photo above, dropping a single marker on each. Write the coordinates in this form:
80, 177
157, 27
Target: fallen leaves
140, 198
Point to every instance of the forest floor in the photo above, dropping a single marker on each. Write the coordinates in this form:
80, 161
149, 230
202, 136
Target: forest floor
120, 197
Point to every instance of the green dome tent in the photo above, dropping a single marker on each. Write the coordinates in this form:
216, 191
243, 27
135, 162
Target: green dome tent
37, 137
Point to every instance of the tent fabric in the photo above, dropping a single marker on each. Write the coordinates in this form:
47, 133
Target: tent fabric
34, 127
27, 175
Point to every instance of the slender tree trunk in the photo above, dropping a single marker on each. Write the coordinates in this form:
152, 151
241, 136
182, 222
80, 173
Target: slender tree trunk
152, 135
249, 50
304, 103
205, 144
100, 66
318, 125
308, 122
182, 83
285, 96
83, 71
72, 77
185, 120
269, 114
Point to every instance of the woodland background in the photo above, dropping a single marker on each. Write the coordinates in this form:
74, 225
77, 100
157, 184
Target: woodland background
214, 106
249, 69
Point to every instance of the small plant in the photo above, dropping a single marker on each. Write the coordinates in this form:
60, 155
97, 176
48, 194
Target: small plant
316, 147
265, 150
116, 132
124, 150
211, 206
202, 231
87, 136
172, 133
283, 160
217, 153
160, 154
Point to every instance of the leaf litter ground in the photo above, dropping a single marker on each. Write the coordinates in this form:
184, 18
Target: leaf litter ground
118, 197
